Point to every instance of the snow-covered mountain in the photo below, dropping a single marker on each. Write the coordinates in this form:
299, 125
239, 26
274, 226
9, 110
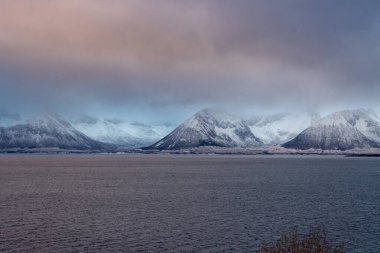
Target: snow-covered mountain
121, 133
210, 128
47, 131
282, 127
340, 131
366, 121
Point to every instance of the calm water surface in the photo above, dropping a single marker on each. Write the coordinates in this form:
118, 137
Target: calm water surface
102, 203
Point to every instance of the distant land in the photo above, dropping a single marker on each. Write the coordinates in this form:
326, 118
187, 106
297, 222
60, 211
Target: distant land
349, 132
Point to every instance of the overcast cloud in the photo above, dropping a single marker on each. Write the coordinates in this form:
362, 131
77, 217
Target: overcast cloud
167, 58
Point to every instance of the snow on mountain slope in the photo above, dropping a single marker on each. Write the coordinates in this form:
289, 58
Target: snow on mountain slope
366, 121
280, 128
340, 131
121, 133
209, 128
47, 131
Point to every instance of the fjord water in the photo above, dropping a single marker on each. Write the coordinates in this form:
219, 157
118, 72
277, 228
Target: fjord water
105, 203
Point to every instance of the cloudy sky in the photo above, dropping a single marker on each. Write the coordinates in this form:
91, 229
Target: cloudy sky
149, 59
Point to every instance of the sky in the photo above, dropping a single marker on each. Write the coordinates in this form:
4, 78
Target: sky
150, 60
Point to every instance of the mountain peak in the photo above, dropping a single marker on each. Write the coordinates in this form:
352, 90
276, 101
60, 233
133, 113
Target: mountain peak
341, 130
50, 117
212, 112
210, 127
48, 130
212, 117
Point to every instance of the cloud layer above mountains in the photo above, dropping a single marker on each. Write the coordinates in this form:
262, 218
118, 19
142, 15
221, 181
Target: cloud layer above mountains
184, 54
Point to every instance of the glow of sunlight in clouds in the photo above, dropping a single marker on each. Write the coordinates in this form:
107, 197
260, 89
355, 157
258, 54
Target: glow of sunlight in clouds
178, 54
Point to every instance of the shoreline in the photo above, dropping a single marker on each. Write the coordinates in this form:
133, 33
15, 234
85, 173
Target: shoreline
268, 151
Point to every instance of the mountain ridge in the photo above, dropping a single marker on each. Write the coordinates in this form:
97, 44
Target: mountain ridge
47, 131
281, 127
340, 130
124, 134
209, 127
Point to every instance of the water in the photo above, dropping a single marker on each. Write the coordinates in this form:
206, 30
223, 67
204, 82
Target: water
100, 203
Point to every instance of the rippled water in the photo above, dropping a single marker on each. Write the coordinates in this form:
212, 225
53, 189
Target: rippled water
101, 203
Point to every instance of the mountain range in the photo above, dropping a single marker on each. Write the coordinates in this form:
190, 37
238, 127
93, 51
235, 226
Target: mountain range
121, 133
343, 130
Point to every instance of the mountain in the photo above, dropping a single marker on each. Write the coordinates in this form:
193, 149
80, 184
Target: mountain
337, 131
47, 131
367, 122
210, 128
121, 133
282, 127
340, 131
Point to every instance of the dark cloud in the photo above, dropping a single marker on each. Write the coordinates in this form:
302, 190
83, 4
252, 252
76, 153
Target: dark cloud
264, 54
